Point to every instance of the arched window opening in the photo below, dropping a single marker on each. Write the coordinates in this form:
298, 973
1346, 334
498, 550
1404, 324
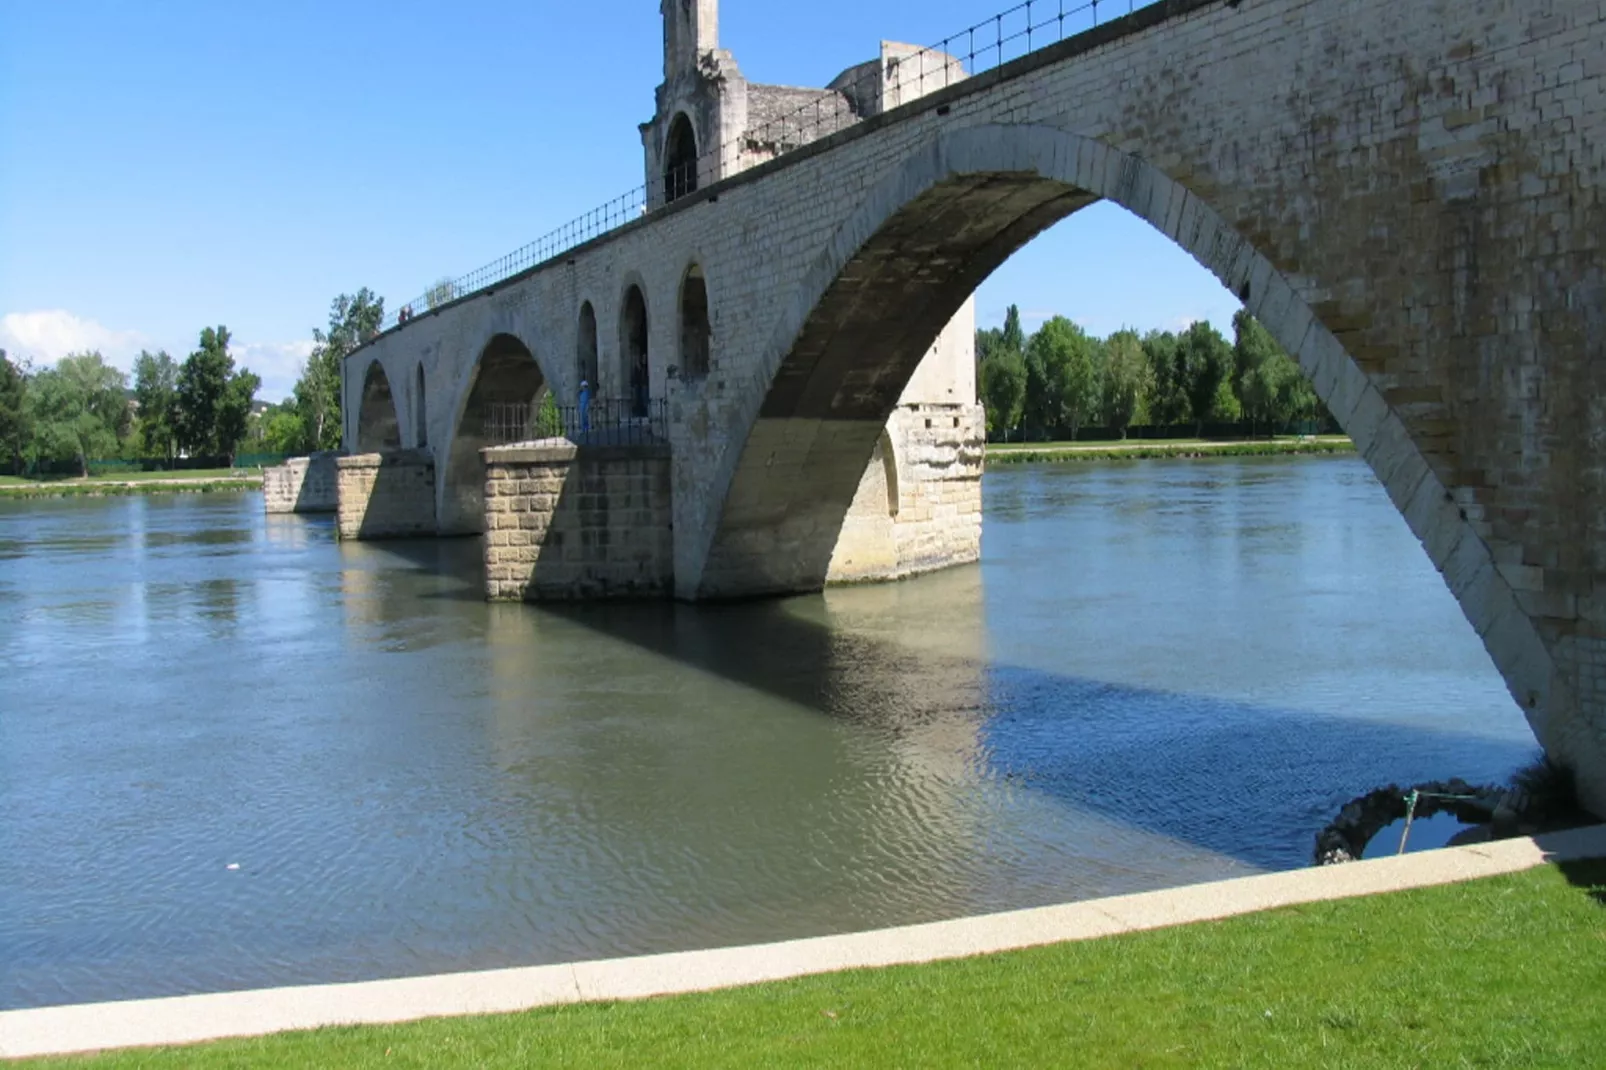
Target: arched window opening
680, 159
889, 469
586, 348
377, 427
694, 327
633, 347
421, 410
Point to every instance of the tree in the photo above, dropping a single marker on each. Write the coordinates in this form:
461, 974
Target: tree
212, 400
352, 321
283, 430
1003, 390
234, 414
439, 294
1127, 380
1205, 360
1168, 397
548, 421
16, 430
155, 392
1012, 338
80, 409
1062, 388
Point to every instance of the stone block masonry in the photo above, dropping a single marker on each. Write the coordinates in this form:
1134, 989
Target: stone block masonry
918, 507
303, 485
566, 522
388, 495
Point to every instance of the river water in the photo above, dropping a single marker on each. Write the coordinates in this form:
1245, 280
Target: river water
235, 752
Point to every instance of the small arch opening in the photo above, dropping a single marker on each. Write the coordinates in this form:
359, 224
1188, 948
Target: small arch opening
889, 470
586, 348
633, 347
421, 410
680, 159
377, 426
695, 331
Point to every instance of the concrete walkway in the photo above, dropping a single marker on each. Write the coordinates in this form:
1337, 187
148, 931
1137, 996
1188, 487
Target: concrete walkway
187, 1019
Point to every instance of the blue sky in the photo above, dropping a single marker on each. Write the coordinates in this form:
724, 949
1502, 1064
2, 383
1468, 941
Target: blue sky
168, 166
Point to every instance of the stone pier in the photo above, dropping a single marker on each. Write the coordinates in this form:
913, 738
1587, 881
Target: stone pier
567, 522
303, 485
389, 495
918, 506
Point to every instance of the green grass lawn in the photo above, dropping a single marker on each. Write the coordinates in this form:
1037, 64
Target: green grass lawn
200, 480
130, 477
1503, 972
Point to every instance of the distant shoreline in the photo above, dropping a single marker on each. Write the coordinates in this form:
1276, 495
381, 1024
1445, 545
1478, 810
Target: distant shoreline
997, 453
1059, 452
118, 488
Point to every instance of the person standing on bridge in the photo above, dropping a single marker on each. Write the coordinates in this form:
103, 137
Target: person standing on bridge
585, 405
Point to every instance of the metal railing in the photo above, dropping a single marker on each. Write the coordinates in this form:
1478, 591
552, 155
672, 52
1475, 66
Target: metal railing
1019, 31
601, 422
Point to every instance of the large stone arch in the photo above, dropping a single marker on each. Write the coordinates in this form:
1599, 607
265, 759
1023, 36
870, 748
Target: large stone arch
850, 337
506, 373
377, 425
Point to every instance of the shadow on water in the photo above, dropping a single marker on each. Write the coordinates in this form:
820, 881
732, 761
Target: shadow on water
1137, 756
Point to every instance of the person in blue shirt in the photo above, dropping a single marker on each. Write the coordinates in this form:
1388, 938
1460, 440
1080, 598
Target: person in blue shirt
585, 405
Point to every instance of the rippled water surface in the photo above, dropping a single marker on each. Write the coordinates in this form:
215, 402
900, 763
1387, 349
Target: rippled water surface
1161, 672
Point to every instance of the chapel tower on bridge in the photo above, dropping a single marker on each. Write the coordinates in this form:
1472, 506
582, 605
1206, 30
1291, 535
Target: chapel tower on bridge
710, 124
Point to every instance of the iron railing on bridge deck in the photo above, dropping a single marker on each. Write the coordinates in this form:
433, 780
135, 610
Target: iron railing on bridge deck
1008, 35
602, 422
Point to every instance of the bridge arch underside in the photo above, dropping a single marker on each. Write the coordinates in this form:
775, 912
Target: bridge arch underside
506, 377
832, 395
377, 425
897, 270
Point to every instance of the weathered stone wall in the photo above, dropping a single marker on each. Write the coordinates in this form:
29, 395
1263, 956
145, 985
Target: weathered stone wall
388, 495
1407, 195
568, 522
918, 506
302, 485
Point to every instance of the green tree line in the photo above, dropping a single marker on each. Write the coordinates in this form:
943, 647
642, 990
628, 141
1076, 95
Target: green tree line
309, 420
1061, 380
82, 408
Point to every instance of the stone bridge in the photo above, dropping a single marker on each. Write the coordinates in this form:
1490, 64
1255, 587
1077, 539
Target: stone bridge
1408, 196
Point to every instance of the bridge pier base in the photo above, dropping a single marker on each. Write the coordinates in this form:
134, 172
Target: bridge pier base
303, 485
389, 495
918, 506
566, 522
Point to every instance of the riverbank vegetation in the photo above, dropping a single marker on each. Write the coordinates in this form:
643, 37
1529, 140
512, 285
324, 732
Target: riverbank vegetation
83, 417
1037, 453
1063, 383
310, 419
55, 420
1505, 971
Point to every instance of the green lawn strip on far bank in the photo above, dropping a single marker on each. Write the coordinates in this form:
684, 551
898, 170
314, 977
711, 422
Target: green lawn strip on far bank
1141, 449
1505, 971
201, 480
